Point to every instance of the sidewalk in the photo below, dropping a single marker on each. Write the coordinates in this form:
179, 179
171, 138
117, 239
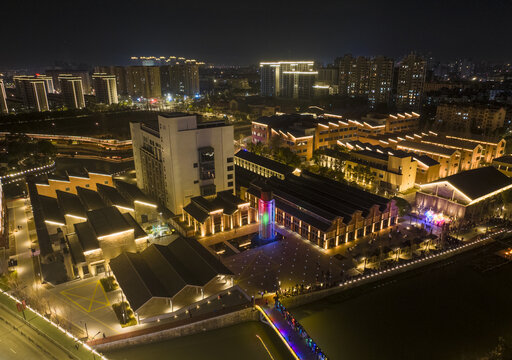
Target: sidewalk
43, 327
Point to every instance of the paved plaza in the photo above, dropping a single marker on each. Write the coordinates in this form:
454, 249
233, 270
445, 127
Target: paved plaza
282, 264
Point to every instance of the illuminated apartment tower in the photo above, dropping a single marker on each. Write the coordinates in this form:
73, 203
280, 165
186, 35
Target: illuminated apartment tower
3, 99
290, 79
143, 81
380, 78
411, 78
33, 91
72, 91
353, 76
178, 157
180, 78
105, 88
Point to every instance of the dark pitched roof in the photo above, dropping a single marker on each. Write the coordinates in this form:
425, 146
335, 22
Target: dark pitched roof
77, 252
507, 159
478, 182
70, 204
111, 196
136, 279
86, 236
427, 160
137, 229
416, 146
132, 193
107, 220
325, 198
50, 209
196, 212
90, 199
163, 271
264, 162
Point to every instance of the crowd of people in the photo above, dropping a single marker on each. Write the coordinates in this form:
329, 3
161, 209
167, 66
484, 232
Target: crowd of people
297, 327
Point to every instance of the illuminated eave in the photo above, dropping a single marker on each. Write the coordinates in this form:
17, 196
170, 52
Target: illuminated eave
53, 223
124, 208
115, 234
257, 123
145, 203
76, 217
89, 252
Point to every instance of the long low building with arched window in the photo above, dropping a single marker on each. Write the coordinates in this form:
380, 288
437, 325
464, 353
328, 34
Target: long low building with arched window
325, 212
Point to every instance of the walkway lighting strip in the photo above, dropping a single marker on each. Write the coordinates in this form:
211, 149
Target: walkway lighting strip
294, 354
28, 171
77, 340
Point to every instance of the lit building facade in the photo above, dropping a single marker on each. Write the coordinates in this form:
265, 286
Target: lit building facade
105, 88
380, 79
72, 91
33, 90
180, 78
464, 118
143, 81
411, 78
224, 212
304, 134
288, 79
178, 158
470, 195
3, 99
324, 212
393, 171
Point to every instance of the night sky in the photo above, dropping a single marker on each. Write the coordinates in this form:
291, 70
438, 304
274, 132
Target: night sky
37, 33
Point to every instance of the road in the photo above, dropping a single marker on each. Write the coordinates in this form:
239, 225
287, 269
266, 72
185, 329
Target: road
25, 266
15, 345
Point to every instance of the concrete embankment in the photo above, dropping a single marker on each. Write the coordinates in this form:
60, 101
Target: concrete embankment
308, 298
225, 320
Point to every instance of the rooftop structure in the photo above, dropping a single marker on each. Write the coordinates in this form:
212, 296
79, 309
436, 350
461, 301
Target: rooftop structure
178, 157
325, 212
261, 165
467, 195
214, 215
153, 279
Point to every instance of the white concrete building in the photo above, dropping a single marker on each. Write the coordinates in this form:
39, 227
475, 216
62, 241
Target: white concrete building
178, 157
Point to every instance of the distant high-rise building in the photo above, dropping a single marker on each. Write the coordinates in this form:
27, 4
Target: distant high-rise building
353, 75
72, 91
3, 99
120, 74
180, 78
465, 68
289, 79
380, 79
105, 87
411, 78
368, 77
143, 81
33, 91
83, 74
177, 158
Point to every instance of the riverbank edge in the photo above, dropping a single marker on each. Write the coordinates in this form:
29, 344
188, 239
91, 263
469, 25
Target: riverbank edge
304, 299
218, 322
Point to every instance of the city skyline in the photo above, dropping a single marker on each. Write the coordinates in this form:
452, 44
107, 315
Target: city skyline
248, 35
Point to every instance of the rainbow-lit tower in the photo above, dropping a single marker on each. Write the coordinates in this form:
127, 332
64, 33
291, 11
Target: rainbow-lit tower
266, 211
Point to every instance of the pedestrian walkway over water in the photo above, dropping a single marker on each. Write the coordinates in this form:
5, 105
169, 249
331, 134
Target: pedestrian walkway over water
293, 341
